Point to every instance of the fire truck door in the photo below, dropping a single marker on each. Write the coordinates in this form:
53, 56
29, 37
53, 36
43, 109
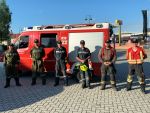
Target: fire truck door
48, 42
22, 46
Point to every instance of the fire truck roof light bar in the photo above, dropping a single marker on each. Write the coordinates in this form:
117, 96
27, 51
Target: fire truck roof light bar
72, 26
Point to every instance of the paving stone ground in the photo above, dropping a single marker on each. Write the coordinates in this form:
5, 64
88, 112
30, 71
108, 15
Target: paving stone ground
73, 99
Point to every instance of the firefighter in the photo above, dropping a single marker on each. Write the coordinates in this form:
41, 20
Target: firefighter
60, 66
135, 57
11, 63
83, 55
107, 56
37, 53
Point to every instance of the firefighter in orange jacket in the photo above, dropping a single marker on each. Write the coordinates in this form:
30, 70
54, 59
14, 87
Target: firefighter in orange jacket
107, 56
135, 57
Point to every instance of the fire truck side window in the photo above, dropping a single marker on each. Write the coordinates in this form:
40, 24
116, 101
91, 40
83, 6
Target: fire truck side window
48, 40
23, 42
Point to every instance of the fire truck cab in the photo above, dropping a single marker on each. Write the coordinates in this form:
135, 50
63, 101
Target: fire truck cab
70, 35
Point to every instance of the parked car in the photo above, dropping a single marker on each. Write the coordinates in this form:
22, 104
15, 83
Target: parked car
1, 53
3, 48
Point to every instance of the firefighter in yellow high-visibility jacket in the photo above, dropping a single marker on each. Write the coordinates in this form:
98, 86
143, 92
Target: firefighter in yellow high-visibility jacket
135, 58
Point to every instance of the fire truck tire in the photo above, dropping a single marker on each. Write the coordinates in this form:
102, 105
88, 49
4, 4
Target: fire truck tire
26, 73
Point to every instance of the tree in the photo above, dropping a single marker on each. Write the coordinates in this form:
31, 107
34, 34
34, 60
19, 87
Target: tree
5, 20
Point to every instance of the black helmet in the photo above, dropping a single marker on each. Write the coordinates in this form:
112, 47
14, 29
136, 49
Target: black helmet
108, 41
59, 42
11, 45
82, 42
36, 41
134, 40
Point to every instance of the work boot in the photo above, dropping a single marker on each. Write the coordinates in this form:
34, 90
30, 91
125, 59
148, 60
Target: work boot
56, 81
88, 85
33, 82
43, 81
17, 82
83, 84
66, 81
142, 88
7, 83
114, 87
102, 86
128, 87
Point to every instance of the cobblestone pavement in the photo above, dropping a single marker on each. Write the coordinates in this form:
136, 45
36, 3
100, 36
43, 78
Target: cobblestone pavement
73, 99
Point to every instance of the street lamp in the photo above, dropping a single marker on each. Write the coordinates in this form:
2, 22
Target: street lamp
88, 19
119, 23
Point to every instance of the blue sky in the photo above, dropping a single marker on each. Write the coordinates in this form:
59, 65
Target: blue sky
44, 12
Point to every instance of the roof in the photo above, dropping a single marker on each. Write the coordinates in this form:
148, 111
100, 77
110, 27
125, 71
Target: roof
14, 35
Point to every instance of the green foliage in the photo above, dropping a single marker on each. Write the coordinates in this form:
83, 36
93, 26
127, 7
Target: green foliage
5, 20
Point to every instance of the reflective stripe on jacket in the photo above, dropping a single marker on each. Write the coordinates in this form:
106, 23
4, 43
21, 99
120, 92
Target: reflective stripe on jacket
136, 57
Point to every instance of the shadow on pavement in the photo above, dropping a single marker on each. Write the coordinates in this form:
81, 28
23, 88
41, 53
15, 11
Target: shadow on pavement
122, 72
18, 97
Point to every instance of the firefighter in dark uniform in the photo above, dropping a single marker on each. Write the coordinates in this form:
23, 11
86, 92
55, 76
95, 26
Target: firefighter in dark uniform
37, 53
11, 63
83, 55
135, 58
60, 66
107, 56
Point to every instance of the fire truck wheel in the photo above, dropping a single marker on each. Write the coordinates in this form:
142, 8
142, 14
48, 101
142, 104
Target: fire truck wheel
26, 73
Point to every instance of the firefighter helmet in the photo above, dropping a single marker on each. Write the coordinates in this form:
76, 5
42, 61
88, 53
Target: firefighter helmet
36, 41
134, 40
83, 67
11, 45
82, 42
59, 42
108, 41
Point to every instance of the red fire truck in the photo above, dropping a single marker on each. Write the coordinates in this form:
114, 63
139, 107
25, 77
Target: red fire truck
70, 35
